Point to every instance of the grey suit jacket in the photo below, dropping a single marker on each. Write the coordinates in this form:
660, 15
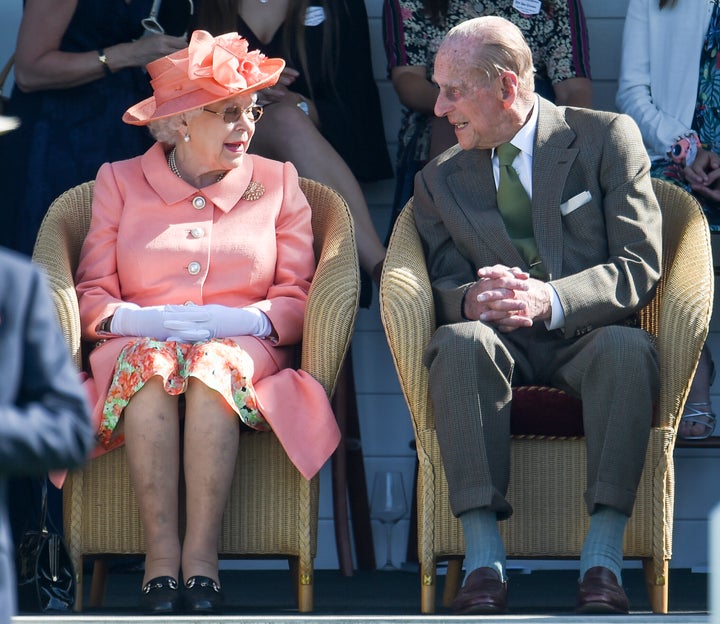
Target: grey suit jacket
44, 418
602, 251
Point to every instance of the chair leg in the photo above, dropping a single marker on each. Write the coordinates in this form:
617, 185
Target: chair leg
305, 597
657, 586
78, 563
339, 475
452, 581
98, 586
356, 483
428, 587
303, 587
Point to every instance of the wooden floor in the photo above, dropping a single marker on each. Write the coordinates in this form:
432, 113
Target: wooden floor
377, 596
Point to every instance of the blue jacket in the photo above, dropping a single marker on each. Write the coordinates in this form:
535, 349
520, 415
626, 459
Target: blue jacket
44, 418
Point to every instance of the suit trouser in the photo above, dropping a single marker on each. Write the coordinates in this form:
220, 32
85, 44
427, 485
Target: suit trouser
614, 371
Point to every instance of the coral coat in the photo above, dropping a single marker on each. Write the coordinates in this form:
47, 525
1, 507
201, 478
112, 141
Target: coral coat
154, 240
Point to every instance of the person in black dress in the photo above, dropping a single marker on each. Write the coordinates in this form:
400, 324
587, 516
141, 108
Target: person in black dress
324, 115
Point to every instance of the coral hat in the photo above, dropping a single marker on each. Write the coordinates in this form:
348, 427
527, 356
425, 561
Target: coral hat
210, 69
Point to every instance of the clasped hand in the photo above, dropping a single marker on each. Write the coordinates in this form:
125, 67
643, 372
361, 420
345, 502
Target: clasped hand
703, 175
189, 323
507, 297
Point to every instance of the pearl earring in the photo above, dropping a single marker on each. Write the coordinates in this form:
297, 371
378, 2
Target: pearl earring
186, 138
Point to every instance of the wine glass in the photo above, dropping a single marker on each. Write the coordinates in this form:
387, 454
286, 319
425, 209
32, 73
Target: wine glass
388, 506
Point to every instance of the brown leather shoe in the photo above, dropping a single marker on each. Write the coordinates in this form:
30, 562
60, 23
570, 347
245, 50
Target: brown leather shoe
599, 592
484, 592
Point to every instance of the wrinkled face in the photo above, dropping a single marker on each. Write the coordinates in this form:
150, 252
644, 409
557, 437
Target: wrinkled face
216, 144
473, 107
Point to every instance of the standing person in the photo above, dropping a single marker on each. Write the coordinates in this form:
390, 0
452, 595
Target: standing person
542, 237
44, 418
671, 92
193, 279
78, 66
414, 29
324, 114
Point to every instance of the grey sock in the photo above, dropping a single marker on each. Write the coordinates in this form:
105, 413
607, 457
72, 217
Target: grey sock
603, 543
484, 547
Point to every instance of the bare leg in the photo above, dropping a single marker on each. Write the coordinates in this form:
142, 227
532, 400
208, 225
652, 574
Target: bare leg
286, 133
212, 432
698, 409
152, 436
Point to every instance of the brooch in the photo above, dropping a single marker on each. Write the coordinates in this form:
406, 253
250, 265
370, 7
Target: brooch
255, 190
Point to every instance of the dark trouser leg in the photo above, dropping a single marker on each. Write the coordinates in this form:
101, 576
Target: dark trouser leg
470, 369
616, 373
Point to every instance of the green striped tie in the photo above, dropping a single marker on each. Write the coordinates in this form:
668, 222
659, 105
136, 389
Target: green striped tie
515, 208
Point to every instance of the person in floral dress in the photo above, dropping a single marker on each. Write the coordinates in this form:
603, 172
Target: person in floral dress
193, 281
413, 30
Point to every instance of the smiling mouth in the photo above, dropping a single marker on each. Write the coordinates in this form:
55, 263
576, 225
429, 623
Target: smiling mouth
460, 125
234, 147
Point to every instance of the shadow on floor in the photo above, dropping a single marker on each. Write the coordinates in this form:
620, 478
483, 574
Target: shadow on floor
398, 593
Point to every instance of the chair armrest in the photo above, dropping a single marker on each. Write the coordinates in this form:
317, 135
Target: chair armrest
57, 249
407, 312
680, 313
335, 290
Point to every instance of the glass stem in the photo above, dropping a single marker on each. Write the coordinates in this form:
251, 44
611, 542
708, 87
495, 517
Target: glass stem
388, 539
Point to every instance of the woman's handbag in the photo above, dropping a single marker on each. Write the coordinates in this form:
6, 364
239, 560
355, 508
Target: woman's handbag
4, 73
46, 577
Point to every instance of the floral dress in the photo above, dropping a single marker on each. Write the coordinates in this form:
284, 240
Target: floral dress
557, 36
219, 364
706, 121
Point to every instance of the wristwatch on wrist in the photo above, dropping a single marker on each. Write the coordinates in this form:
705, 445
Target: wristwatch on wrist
104, 325
102, 57
685, 149
303, 105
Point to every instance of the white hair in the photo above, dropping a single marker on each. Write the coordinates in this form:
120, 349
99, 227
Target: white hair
169, 129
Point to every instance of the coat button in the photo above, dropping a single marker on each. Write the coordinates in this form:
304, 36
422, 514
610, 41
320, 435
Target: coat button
198, 202
197, 232
193, 268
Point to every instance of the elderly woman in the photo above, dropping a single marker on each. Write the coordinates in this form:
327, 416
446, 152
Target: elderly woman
193, 279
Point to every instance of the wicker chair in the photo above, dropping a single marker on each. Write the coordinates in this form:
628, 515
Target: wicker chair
272, 510
548, 471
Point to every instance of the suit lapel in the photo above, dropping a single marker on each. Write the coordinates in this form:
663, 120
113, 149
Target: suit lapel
473, 188
552, 159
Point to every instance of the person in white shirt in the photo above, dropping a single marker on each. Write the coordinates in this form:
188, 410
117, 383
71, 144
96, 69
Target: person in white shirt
671, 92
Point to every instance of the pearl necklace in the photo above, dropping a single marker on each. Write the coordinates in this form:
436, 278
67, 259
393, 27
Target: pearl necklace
254, 191
174, 168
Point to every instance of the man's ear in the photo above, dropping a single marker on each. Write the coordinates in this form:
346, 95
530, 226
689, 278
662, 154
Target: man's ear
508, 87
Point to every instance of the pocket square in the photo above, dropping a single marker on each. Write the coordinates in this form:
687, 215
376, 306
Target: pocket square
575, 202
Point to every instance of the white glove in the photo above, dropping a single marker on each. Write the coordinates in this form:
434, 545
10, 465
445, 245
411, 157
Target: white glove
149, 322
217, 321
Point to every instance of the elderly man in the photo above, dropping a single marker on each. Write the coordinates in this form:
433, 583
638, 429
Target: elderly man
542, 238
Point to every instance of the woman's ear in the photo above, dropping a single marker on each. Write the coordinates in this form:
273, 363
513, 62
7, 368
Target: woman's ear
185, 130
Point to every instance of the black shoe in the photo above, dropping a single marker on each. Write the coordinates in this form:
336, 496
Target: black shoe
202, 595
160, 595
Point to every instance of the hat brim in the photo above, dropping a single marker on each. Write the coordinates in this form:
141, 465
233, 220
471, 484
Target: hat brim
147, 111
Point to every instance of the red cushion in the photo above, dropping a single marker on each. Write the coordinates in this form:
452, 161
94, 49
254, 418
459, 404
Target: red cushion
542, 410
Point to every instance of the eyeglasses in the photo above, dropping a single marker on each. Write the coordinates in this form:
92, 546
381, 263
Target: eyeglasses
231, 114
176, 21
